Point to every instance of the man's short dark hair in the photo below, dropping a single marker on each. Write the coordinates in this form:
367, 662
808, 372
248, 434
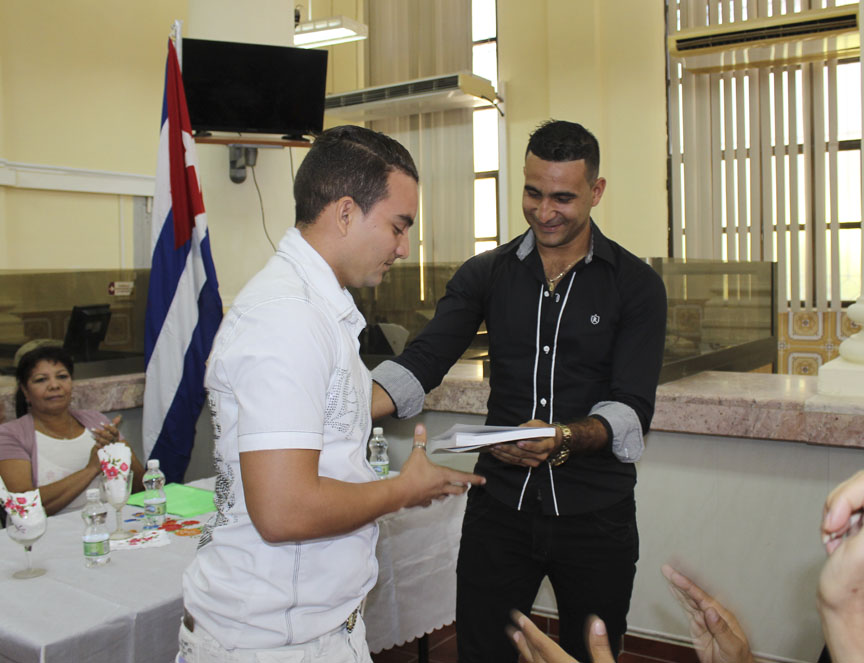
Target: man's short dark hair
557, 140
348, 161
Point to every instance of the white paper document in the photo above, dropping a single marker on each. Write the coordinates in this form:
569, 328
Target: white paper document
464, 437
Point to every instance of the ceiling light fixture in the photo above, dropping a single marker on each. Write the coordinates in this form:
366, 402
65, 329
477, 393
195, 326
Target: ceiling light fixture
326, 31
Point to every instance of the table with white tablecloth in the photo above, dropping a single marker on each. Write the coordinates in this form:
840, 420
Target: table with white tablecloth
129, 611
416, 589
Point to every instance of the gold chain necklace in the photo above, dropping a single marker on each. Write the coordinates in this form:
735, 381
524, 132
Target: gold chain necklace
553, 281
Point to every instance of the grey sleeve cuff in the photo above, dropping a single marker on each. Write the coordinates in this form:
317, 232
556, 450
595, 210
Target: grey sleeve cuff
403, 388
627, 441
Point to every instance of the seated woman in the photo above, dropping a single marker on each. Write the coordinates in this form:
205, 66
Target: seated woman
53, 447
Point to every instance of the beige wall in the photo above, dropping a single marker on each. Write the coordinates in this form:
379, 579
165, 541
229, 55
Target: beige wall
80, 88
600, 63
78, 81
68, 230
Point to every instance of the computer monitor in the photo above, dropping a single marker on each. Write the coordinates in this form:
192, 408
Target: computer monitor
86, 330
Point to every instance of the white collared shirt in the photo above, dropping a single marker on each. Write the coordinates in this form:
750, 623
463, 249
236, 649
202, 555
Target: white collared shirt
284, 373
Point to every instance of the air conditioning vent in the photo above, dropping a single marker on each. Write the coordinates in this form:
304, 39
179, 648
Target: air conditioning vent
783, 39
425, 95
784, 32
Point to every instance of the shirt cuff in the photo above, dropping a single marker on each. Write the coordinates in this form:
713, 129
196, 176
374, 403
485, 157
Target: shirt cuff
627, 440
278, 440
404, 389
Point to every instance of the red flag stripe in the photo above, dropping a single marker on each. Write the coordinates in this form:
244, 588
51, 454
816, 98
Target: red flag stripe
186, 199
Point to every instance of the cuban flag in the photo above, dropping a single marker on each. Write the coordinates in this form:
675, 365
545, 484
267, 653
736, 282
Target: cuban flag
183, 304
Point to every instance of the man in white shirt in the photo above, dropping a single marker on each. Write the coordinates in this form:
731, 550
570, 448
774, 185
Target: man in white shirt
286, 562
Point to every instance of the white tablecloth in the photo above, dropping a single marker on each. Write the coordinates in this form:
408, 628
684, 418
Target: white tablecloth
129, 611
416, 588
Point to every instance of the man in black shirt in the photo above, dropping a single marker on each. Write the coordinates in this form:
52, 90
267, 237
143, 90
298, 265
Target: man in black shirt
576, 328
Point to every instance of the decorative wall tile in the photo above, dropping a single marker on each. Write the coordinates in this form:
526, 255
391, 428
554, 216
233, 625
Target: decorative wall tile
808, 339
804, 363
806, 325
845, 326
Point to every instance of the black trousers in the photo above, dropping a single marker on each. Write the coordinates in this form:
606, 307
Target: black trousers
590, 560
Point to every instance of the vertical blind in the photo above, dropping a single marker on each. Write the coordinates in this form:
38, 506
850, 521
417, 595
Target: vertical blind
765, 162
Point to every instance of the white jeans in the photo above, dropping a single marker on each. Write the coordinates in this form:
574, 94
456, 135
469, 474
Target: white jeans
338, 646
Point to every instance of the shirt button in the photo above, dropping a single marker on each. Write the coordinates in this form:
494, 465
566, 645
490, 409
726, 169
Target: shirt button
557, 298
545, 293
543, 402
546, 349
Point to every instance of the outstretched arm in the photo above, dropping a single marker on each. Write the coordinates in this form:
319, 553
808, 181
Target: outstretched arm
717, 635
289, 501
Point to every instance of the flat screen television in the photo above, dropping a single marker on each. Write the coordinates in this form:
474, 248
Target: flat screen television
232, 86
86, 330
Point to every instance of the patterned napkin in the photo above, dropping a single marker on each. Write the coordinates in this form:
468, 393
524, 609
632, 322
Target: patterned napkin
149, 539
116, 462
24, 509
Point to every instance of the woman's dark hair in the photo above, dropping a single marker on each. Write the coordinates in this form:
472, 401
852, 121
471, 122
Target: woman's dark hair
557, 140
28, 361
348, 161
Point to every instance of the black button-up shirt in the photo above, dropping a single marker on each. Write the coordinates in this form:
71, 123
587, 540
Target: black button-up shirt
553, 356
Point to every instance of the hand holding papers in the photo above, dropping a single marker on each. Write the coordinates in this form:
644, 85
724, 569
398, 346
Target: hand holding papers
464, 437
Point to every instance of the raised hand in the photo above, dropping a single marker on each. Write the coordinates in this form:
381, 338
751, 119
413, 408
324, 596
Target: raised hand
536, 647
108, 433
717, 635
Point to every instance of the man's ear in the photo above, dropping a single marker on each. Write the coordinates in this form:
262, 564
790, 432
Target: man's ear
597, 190
345, 209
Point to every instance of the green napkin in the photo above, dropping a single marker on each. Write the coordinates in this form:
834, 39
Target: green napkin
184, 501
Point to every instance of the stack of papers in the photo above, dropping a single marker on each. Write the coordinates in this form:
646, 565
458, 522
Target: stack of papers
464, 437
184, 501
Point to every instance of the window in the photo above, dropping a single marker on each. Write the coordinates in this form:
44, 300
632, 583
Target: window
486, 159
765, 162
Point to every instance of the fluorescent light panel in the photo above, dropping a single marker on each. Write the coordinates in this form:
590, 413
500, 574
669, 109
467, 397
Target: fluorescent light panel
327, 31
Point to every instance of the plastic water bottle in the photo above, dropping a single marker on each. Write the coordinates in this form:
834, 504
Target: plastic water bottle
154, 495
378, 458
97, 546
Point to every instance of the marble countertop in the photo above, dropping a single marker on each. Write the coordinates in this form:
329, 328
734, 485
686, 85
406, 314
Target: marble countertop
753, 405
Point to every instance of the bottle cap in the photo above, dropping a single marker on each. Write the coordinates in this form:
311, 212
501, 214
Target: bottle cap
153, 464
92, 494
377, 431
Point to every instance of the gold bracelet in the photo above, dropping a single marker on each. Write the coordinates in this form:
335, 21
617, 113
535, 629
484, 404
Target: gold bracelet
564, 450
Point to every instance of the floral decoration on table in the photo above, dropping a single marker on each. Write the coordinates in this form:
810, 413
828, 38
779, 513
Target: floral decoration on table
182, 528
153, 538
171, 525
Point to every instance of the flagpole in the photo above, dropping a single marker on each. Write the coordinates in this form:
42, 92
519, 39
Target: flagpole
177, 38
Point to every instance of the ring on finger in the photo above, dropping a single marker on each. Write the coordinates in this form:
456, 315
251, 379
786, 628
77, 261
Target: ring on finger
419, 445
